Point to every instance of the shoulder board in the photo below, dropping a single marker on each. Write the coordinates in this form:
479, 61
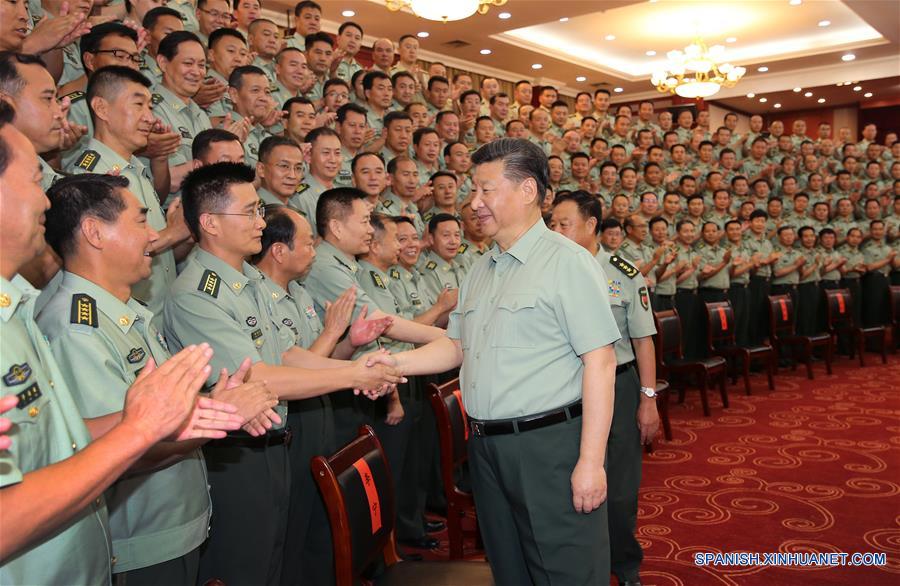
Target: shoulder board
431, 265
427, 217
209, 284
343, 264
88, 160
156, 99
376, 278
623, 265
301, 188
75, 96
84, 310
462, 248
386, 204
395, 274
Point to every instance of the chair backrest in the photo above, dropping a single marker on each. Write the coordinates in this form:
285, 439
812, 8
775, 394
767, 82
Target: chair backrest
359, 495
895, 303
450, 416
839, 308
781, 315
668, 330
720, 324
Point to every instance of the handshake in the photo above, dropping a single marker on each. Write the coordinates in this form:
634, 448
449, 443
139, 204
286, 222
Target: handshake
378, 375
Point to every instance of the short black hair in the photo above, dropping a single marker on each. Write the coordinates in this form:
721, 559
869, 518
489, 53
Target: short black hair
757, 213
75, 197
206, 138
369, 79
467, 93
154, 14
319, 37
609, 224
349, 107
90, 43
360, 156
280, 229
220, 33
106, 82
258, 21
297, 100
348, 24
421, 133
438, 219
400, 74
168, 47
270, 143
436, 79
236, 79
522, 159
497, 96
285, 51
335, 204
450, 146
304, 4
6, 117
320, 131
11, 81
333, 82
588, 205
444, 173
394, 116
443, 114
207, 189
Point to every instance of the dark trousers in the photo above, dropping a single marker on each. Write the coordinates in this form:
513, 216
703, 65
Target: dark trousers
739, 296
789, 290
686, 302
663, 302
808, 302
876, 310
623, 463
822, 319
523, 492
308, 550
181, 571
412, 490
250, 490
758, 307
852, 284
350, 412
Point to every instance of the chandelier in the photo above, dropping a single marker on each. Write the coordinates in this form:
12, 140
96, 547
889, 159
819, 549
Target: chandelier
696, 73
444, 10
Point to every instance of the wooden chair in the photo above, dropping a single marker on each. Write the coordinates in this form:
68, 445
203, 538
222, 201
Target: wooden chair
670, 361
720, 341
450, 415
359, 497
839, 311
895, 317
782, 334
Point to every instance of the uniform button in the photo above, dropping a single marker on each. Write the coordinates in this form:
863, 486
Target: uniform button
74, 446
5, 300
51, 384
236, 286
124, 321
33, 412
98, 501
113, 561
478, 355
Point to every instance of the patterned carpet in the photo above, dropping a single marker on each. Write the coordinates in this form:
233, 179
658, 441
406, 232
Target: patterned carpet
812, 467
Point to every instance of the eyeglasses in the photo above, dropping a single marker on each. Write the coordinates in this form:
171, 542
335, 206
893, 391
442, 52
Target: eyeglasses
216, 15
258, 213
122, 55
339, 95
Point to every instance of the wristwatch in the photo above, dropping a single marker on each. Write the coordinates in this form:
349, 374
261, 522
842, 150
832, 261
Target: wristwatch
648, 392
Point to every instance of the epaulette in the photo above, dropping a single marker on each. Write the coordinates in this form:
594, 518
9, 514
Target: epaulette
376, 278
88, 160
462, 248
301, 188
75, 96
156, 99
209, 283
427, 217
431, 265
84, 310
623, 265
343, 264
395, 274
386, 204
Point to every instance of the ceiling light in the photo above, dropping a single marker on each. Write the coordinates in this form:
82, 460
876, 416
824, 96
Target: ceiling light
564, 19
776, 105
650, 53
840, 83
610, 37
485, 51
821, 100
751, 95
504, 15
696, 72
867, 95
445, 11
731, 40
762, 69
348, 13
824, 23
848, 57
618, 90
763, 100
580, 78
422, 34
807, 95
857, 88
797, 90
795, 2
536, 65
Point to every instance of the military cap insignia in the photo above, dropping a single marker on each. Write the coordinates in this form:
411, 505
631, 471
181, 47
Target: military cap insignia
185, 133
301, 188
88, 160
156, 99
251, 321
84, 310
17, 374
463, 248
29, 396
644, 296
376, 278
615, 288
395, 274
431, 265
75, 96
623, 265
136, 355
209, 283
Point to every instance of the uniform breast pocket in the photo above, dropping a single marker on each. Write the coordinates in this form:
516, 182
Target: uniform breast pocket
468, 327
516, 321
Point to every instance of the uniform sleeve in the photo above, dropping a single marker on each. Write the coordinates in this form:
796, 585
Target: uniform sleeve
431, 285
639, 312
95, 376
190, 319
583, 303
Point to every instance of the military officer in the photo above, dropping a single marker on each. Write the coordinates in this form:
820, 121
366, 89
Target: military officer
878, 256
663, 296
227, 51
760, 247
686, 282
533, 314
159, 23
263, 41
324, 166
808, 294
280, 170
742, 264
400, 199
442, 269
248, 87
786, 268
188, 14
853, 270
577, 216
713, 277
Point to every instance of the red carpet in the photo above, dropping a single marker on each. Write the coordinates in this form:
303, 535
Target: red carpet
812, 467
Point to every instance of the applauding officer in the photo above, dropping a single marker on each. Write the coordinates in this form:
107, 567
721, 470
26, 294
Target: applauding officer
534, 333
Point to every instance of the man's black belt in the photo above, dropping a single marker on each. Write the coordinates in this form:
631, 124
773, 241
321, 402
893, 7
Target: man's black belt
482, 428
738, 286
685, 289
624, 367
274, 437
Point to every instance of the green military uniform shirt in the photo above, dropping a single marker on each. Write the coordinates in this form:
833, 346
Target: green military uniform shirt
468, 254
854, 258
257, 134
392, 205
47, 428
268, 67
406, 286
101, 344
307, 197
763, 247
830, 257
223, 105
439, 274
813, 257
629, 300
638, 252
99, 158
713, 255
78, 114
332, 273
212, 302
686, 254
788, 257
524, 318
267, 197
375, 283
186, 9
876, 251
740, 254
151, 69
295, 313
187, 119
345, 175
296, 41
48, 175
346, 68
